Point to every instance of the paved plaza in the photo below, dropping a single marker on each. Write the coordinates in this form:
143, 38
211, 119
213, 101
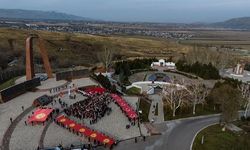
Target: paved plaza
245, 77
19, 136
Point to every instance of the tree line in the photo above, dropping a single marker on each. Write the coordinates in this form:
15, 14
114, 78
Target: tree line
228, 96
124, 68
128, 65
104, 81
205, 71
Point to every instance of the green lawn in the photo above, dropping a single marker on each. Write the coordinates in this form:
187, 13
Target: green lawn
216, 139
187, 112
133, 91
8, 83
145, 107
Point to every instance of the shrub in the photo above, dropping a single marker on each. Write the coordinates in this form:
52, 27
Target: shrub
126, 66
248, 118
133, 91
104, 81
242, 118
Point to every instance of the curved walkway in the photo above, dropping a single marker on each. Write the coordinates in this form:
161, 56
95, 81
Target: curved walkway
181, 136
41, 141
11, 128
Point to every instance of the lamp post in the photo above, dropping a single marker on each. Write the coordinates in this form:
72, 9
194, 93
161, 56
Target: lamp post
72, 70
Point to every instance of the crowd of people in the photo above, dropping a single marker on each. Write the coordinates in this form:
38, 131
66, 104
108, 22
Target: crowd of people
58, 89
94, 107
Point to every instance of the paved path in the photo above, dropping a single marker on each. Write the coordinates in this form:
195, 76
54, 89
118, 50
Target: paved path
41, 141
181, 136
156, 100
11, 128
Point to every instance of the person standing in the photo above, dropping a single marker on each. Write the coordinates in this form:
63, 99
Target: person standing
135, 140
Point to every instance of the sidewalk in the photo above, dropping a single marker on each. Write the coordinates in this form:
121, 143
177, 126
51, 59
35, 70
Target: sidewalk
156, 100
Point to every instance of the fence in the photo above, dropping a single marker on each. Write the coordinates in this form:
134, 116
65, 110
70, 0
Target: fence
16, 90
74, 74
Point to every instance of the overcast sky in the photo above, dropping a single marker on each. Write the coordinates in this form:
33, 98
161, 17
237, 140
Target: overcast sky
141, 10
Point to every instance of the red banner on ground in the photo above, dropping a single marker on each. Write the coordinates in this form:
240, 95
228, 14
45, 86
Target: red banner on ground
95, 90
125, 106
86, 131
40, 115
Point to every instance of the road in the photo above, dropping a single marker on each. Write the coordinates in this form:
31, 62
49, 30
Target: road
176, 135
181, 137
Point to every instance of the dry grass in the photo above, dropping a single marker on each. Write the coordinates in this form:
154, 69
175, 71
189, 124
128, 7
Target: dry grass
235, 39
81, 49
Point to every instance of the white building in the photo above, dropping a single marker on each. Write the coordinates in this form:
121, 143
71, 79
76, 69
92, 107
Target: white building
239, 69
163, 64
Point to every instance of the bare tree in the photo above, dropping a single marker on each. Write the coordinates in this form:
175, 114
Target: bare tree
245, 92
225, 59
106, 57
219, 58
175, 95
229, 99
198, 94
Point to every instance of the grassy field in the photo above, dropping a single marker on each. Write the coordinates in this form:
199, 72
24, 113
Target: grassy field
8, 83
234, 39
234, 42
145, 107
67, 49
216, 139
133, 91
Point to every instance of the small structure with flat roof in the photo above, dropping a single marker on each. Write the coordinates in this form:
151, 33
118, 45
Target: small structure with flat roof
164, 65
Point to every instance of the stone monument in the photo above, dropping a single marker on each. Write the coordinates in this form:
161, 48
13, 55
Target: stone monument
30, 73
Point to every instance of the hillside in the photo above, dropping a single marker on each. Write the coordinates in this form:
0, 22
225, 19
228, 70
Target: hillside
67, 49
37, 15
235, 23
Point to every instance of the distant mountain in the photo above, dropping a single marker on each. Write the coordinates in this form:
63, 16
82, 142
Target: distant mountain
37, 15
235, 23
